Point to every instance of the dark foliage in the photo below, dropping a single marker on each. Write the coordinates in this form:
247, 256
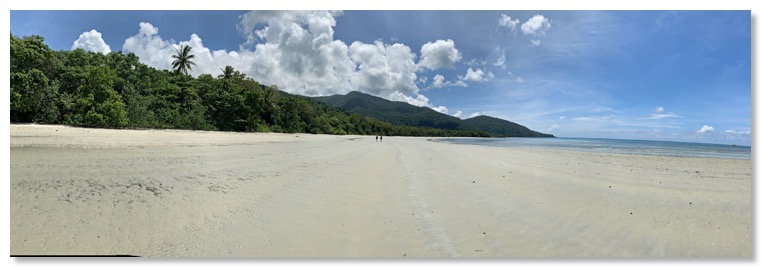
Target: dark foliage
117, 91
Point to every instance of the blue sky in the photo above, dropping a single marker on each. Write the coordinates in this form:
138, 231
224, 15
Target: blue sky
660, 75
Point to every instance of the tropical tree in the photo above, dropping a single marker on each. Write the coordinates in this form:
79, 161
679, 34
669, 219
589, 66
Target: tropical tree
227, 72
183, 63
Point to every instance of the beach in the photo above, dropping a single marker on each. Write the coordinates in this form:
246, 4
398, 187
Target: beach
83, 191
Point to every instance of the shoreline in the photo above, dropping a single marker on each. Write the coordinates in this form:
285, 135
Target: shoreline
191, 193
615, 152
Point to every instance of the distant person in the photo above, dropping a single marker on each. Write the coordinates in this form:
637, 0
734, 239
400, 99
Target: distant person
381, 139
376, 138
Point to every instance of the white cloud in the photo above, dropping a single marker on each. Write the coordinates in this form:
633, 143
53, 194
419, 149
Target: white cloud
475, 114
507, 22
438, 55
659, 109
150, 48
705, 129
536, 27
439, 81
296, 51
459, 83
91, 41
553, 127
277, 26
441, 109
477, 75
458, 114
419, 100
156, 52
383, 68
561, 118
298, 54
471, 75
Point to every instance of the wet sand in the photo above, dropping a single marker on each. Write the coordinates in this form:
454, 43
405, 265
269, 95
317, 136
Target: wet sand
187, 193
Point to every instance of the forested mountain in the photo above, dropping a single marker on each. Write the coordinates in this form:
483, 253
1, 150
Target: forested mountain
117, 91
406, 114
499, 127
390, 111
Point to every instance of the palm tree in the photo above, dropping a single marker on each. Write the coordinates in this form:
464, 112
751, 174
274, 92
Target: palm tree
227, 72
182, 64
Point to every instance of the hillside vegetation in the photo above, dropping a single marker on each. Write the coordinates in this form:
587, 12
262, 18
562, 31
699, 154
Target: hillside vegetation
117, 91
406, 114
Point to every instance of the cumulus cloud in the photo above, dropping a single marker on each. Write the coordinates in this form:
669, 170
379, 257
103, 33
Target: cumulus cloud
459, 83
553, 127
477, 75
156, 52
441, 109
507, 22
419, 100
438, 81
296, 51
91, 41
149, 47
458, 114
278, 25
561, 118
536, 27
475, 114
383, 68
705, 129
439, 54
659, 109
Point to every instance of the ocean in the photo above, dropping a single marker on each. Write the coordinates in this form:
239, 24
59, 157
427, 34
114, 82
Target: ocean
618, 146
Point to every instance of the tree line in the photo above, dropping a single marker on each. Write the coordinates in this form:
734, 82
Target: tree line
115, 90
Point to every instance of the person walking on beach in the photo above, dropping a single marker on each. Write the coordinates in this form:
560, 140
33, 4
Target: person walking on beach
381, 139
376, 138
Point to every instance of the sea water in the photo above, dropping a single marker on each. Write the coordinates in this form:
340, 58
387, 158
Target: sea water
619, 146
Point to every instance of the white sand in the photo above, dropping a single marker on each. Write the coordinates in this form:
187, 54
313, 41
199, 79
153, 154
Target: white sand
185, 193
